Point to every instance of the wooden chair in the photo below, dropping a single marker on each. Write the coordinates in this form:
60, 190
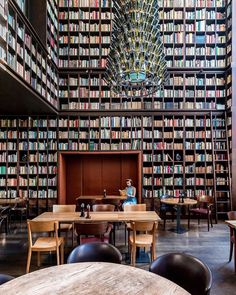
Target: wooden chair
93, 232
44, 244
146, 239
129, 208
114, 202
231, 216
65, 227
204, 208
105, 208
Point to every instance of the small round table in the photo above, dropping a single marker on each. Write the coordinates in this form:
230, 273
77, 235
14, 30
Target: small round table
175, 202
91, 278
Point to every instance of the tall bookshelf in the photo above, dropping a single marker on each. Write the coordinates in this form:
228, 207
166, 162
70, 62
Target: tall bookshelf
28, 160
52, 29
181, 130
3, 30
26, 56
178, 151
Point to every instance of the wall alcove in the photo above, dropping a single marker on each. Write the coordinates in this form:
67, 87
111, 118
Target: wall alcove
89, 173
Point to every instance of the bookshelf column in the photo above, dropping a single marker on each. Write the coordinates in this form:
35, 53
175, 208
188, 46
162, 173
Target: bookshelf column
233, 107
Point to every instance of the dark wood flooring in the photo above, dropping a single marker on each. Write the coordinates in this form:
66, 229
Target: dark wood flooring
212, 247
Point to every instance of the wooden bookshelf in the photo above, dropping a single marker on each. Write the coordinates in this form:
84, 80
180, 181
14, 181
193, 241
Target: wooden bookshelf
29, 159
89, 48
182, 130
27, 58
3, 30
180, 152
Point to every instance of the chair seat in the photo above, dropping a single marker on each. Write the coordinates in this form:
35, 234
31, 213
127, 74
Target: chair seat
85, 240
142, 239
46, 243
200, 210
65, 227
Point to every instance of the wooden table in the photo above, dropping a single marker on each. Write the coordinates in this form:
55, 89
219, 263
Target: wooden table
232, 225
175, 202
116, 216
91, 278
101, 197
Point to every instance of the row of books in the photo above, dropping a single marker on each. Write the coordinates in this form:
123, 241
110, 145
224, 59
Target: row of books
85, 15
192, 3
83, 51
84, 3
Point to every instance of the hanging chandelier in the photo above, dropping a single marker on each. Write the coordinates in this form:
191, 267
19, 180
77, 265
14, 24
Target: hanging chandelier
136, 63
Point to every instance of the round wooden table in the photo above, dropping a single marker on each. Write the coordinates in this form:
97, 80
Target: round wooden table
175, 202
91, 278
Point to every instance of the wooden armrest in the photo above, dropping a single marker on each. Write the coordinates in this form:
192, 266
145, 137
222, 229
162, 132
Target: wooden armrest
209, 206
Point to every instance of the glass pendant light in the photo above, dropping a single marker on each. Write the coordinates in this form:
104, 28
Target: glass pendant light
136, 60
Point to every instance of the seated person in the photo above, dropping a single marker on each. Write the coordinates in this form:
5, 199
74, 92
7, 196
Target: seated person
130, 193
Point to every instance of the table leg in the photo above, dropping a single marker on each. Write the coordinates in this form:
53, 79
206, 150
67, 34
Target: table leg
114, 233
178, 229
235, 249
73, 231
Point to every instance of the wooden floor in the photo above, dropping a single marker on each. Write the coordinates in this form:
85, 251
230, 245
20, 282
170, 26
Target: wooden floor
212, 247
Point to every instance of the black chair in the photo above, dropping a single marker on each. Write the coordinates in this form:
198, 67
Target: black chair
4, 217
164, 209
95, 252
186, 271
5, 278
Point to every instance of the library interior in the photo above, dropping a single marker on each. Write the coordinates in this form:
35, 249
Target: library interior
118, 147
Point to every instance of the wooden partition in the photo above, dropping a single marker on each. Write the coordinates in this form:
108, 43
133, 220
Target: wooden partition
89, 173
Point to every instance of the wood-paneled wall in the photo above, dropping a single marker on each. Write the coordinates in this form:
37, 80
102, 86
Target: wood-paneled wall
89, 173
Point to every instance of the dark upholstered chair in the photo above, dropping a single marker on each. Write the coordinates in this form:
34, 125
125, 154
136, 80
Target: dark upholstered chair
164, 209
5, 278
231, 216
203, 208
93, 232
4, 217
185, 270
20, 209
103, 207
95, 252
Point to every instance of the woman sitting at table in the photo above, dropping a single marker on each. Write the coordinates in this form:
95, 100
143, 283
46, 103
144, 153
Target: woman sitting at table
130, 192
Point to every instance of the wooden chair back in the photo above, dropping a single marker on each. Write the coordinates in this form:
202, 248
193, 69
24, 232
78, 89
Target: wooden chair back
103, 208
41, 226
135, 207
204, 199
94, 229
231, 215
144, 226
21, 202
63, 208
